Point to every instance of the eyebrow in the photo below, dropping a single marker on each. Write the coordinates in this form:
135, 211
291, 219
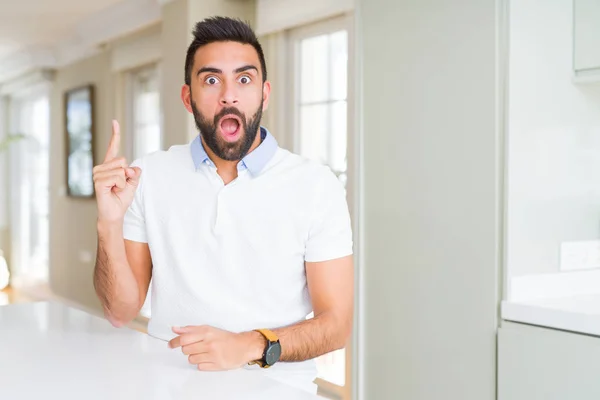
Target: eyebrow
209, 69
218, 71
246, 68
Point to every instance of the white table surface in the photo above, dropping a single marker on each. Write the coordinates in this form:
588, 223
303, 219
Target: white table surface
50, 351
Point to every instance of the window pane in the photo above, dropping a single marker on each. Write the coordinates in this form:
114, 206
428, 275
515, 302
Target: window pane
147, 139
338, 45
314, 69
338, 131
29, 167
146, 108
332, 367
313, 132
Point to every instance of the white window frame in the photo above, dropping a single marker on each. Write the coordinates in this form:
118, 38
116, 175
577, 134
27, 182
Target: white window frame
130, 110
289, 103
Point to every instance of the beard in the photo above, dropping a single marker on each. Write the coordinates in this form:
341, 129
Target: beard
229, 151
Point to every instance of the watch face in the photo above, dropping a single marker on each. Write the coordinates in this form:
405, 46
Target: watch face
273, 354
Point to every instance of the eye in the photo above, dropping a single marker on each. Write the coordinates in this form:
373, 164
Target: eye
245, 79
211, 80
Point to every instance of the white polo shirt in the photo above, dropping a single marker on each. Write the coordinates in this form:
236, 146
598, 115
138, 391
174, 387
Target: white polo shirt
232, 256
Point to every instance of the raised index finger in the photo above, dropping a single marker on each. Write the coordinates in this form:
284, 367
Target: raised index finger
115, 141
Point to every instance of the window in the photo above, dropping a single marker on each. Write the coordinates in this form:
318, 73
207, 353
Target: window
145, 122
29, 188
321, 98
145, 111
320, 75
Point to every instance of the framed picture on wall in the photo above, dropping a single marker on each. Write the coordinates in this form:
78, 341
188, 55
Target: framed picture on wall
79, 126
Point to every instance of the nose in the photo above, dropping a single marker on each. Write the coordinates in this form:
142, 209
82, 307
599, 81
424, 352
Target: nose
229, 96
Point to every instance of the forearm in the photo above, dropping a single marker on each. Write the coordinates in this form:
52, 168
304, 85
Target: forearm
307, 339
114, 281
314, 337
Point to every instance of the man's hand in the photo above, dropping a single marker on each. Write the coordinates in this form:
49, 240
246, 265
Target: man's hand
213, 349
114, 182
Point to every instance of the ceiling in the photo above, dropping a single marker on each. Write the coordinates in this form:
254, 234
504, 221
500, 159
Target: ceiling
40, 34
39, 23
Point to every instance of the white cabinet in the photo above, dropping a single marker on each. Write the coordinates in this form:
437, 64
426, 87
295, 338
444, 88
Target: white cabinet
544, 364
586, 38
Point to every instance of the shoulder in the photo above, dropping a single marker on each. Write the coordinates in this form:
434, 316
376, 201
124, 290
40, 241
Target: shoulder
165, 161
300, 166
307, 178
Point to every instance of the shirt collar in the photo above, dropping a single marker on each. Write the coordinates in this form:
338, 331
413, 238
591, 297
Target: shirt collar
254, 161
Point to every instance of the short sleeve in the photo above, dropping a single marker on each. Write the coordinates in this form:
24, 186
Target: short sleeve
330, 232
134, 224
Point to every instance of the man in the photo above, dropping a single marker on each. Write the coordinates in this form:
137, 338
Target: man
242, 239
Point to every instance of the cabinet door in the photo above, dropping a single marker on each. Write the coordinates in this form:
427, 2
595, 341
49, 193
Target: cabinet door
586, 32
545, 364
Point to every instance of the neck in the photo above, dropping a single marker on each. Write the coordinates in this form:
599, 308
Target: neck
227, 170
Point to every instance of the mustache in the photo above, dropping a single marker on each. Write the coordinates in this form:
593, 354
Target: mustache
229, 111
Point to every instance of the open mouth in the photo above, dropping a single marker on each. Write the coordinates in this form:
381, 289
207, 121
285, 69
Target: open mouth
230, 127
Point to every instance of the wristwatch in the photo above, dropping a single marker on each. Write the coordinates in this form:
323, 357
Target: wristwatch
272, 349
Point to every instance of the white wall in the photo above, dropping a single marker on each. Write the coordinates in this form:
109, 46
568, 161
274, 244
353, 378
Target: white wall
554, 140
72, 220
431, 198
176, 37
277, 15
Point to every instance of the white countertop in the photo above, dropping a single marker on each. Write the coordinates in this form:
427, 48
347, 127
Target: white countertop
579, 314
51, 351
567, 301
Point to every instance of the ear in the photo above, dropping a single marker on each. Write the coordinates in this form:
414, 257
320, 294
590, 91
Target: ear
266, 94
186, 97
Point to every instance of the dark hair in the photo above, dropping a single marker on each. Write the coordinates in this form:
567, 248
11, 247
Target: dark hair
222, 29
